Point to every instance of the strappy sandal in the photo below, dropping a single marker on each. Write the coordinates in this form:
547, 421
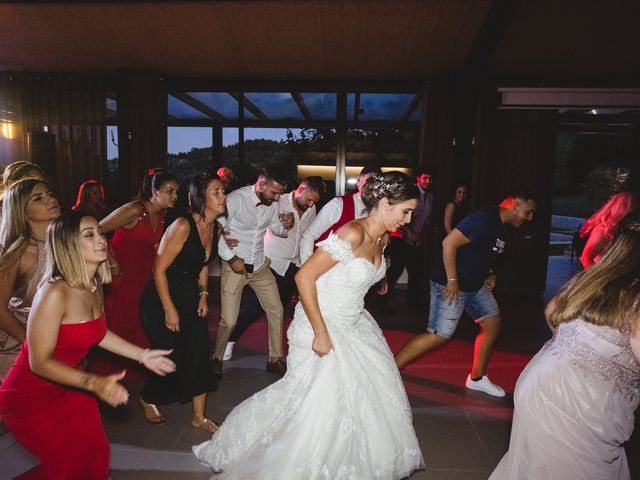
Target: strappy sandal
151, 413
205, 424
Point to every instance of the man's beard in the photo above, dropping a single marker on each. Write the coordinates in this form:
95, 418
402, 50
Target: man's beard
302, 207
264, 200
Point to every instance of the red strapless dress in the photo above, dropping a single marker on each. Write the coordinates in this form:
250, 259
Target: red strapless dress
58, 424
134, 250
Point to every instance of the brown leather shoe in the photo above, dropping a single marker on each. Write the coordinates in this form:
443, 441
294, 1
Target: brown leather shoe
278, 366
151, 413
216, 368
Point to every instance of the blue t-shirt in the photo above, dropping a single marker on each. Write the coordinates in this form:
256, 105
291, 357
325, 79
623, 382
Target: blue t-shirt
473, 261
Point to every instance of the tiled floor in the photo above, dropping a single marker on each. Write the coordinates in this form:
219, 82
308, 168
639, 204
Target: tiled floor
463, 434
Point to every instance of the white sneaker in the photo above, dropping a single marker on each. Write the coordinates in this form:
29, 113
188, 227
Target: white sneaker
485, 385
228, 351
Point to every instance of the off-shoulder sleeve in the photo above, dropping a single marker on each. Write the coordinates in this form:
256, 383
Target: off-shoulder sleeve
339, 249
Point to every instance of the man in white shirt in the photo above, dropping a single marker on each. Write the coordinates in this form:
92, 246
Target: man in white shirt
250, 211
337, 212
284, 253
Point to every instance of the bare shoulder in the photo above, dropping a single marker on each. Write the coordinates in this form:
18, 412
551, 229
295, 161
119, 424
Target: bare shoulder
179, 227
352, 232
53, 292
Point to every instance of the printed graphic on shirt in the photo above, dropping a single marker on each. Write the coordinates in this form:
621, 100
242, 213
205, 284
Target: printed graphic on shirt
499, 246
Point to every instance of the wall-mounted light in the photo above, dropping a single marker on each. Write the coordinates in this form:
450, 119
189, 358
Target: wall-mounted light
8, 130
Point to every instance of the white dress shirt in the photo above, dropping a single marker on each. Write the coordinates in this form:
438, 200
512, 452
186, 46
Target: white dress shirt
247, 221
283, 251
328, 216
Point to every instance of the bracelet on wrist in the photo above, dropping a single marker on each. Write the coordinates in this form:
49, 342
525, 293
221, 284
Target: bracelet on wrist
204, 292
141, 359
452, 279
232, 259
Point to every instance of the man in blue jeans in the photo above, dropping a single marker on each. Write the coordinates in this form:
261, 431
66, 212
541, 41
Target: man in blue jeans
462, 279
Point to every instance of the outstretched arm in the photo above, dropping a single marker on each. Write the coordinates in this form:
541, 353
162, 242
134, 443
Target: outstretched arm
124, 216
42, 334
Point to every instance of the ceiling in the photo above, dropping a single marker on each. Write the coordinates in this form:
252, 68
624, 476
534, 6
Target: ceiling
535, 41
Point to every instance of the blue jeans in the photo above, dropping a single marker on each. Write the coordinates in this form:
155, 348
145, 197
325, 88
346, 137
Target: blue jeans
444, 316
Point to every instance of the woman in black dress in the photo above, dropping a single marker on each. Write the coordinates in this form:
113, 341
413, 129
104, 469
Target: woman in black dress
174, 305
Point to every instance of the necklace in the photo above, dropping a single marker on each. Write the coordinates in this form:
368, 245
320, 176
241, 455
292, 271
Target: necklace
95, 285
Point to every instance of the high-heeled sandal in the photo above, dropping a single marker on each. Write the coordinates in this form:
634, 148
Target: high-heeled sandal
151, 413
205, 424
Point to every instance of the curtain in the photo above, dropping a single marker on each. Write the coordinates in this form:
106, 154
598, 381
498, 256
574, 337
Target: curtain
72, 109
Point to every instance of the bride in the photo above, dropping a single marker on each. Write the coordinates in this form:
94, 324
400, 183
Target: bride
341, 411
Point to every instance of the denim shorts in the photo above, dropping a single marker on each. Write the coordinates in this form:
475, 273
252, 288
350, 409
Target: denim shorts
444, 317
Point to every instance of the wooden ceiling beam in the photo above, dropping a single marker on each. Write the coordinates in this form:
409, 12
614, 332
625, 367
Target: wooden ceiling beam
252, 107
356, 108
198, 105
411, 107
302, 106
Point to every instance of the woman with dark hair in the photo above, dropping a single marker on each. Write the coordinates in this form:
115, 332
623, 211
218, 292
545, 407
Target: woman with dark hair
575, 400
47, 400
341, 410
91, 199
456, 209
138, 227
27, 210
174, 305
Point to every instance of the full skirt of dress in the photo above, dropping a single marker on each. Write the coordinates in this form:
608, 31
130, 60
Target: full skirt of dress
342, 416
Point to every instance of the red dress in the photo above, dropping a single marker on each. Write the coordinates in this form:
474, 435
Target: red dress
58, 424
134, 250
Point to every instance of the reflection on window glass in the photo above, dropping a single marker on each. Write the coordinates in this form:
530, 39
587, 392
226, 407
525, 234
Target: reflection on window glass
112, 106
221, 102
388, 107
276, 106
389, 149
178, 109
321, 106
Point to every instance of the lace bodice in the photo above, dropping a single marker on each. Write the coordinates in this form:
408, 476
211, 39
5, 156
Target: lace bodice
341, 290
603, 351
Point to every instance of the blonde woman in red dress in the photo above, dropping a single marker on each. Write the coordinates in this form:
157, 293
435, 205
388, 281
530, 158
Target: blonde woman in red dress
47, 401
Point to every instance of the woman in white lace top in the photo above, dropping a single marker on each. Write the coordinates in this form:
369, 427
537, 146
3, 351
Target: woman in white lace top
341, 411
575, 401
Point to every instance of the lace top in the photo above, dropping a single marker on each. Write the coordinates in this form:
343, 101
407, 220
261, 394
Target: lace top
603, 351
341, 290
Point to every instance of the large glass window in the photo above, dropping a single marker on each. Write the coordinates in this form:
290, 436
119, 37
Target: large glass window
301, 152
190, 151
389, 149
298, 131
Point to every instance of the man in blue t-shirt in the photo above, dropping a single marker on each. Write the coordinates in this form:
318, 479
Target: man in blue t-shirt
462, 279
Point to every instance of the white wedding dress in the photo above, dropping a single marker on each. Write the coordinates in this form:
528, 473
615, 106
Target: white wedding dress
344, 416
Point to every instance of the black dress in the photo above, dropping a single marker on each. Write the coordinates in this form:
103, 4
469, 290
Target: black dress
191, 345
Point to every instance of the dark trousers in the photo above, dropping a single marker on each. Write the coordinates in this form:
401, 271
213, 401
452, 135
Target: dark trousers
413, 258
250, 313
